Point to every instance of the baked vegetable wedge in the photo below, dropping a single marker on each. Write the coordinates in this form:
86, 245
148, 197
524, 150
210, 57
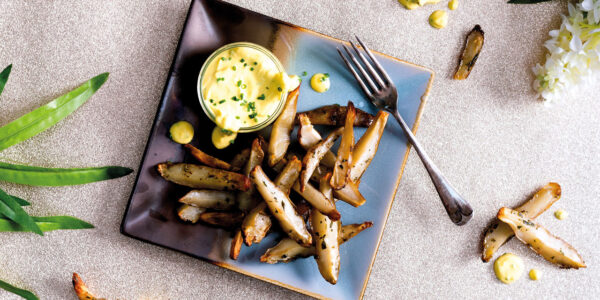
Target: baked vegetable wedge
203, 177
341, 169
282, 128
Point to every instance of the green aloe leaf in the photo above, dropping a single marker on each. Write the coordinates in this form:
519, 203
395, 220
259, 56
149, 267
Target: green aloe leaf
47, 224
10, 208
46, 116
4, 77
21, 202
58, 176
17, 291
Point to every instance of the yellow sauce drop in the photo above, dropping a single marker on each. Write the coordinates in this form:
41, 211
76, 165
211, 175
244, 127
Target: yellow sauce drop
561, 214
320, 82
534, 274
182, 132
453, 4
508, 268
412, 4
222, 138
438, 19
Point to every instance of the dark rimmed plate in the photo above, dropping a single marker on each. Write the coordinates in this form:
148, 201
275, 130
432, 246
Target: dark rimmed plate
151, 212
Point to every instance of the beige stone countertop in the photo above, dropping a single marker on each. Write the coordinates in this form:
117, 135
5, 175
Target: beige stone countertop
495, 142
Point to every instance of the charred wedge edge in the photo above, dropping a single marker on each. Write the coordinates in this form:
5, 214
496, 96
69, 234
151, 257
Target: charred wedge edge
221, 200
288, 176
315, 154
473, 46
341, 170
365, 149
281, 208
236, 245
203, 177
540, 240
318, 200
282, 128
240, 159
288, 250
81, 290
208, 160
326, 234
222, 219
350, 194
335, 115
189, 213
499, 233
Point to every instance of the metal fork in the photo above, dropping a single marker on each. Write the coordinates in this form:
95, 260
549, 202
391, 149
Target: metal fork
380, 89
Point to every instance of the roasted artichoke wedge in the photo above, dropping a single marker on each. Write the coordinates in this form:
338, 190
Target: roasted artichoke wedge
473, 46
249, 199
288, 250
308, 136
341, 169
540, 240
499, 233
366, 147
208, 160
240, 159
326, 234
317, 200
281, 208
236, 245
189, 213
221, 200
282, 128
315, 154
203, 177
335, 115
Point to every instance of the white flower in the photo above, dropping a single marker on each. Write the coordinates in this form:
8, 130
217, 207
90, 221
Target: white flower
573, 52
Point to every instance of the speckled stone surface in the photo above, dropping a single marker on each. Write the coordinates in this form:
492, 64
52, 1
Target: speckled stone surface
491, 137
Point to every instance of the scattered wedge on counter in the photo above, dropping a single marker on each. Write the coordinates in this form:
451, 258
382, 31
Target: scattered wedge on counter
520, 222
266, 188
499, 233
470, 54
540, 240
81, 290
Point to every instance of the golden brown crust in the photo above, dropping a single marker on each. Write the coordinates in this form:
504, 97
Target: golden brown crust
206, 159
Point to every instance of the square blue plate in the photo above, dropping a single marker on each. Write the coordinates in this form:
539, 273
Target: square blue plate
151, 212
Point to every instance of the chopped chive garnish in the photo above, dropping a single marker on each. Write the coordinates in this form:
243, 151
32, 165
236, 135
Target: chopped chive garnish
267, 88
245, 64
261, 97
326, 75
242, 60
223, 58
237, 117
304, 73
252, 115
220, 79
244, 86
222, 101
233, 68
241, 96
279, 89
251, 69
255, 63
234, 98
211, 100
239, 83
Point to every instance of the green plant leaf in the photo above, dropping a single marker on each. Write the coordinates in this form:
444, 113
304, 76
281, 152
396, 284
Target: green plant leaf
47, 224
4, 77
11, 209
17, 291
44, 117
527, 1
21, 202
58, 176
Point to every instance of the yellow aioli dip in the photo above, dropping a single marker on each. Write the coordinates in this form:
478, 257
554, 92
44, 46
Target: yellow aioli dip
243, 87
508, 268
320, 82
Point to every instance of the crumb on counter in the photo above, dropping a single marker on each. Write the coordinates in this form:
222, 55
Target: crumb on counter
561, 214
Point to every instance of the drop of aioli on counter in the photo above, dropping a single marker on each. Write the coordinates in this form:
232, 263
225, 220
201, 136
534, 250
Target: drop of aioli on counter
453, 4
561, 214
320, 82
438, 19
508, 268
534, 274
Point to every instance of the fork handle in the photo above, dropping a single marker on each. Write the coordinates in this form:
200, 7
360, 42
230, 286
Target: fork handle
458, 209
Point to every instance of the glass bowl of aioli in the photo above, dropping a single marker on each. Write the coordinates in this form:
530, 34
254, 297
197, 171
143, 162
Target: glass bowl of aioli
243, 87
